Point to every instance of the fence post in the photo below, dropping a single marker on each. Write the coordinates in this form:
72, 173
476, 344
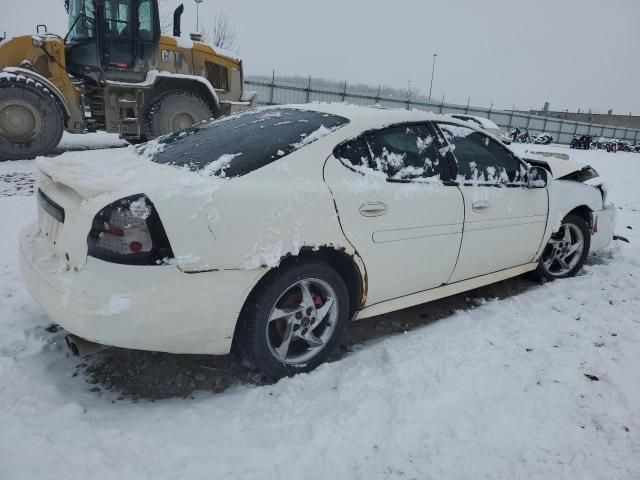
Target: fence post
614, 132
378, 97
309, 90
513, 107
575, 130
544, 125
466, 110
636, 139
560, 130
489, 112
528, 121
602, 131
344, 91
442, 104
273, 86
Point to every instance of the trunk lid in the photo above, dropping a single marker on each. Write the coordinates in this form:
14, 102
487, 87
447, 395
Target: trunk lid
73, 187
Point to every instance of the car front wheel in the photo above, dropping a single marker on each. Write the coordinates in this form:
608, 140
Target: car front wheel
566, 250
295, 320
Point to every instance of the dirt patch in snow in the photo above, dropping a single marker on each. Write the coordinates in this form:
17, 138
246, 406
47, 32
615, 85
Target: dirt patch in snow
140, 375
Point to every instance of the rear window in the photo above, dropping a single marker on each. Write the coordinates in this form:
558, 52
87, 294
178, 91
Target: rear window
237, 145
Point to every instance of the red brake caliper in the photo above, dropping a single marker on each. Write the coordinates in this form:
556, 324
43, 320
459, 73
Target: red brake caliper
317, 301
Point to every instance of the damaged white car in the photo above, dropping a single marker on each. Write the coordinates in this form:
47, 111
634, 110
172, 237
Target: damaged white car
266, 232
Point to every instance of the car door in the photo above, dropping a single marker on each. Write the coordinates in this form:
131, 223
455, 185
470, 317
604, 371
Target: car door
504, 219
405, 223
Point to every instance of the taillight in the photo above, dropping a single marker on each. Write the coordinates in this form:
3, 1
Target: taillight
129, 231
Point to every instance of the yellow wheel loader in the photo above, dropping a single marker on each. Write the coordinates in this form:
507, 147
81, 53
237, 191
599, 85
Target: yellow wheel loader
113, 71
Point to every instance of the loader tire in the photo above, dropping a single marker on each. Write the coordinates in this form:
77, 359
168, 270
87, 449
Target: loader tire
175, 111
31, 119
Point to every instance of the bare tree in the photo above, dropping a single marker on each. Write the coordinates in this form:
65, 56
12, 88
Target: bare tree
222, 34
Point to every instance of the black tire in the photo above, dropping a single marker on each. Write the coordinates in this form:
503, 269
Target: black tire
545, 273
175, 111
31, 119
253, 341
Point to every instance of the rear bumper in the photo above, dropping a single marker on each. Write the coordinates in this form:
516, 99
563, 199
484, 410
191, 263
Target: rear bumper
155, 308
604, 224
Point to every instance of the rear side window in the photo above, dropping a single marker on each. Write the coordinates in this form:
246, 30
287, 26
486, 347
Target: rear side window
240, 144
400, 153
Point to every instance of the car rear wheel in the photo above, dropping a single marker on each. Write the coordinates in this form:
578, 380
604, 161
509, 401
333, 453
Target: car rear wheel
295, 320
566, 251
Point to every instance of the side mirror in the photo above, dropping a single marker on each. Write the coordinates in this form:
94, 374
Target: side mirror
537, 177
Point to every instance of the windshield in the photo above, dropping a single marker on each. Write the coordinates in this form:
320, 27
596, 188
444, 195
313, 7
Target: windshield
240, 144
81, 20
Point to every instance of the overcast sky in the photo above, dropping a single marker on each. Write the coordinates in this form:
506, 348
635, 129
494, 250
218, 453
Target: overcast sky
573, 53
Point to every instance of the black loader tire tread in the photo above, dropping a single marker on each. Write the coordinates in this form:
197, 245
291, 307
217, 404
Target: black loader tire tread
53, 124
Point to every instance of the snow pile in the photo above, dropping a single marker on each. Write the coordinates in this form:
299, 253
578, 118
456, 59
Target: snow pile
543, 384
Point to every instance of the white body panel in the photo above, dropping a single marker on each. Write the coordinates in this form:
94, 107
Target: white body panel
226, 234
412, 243
512, 220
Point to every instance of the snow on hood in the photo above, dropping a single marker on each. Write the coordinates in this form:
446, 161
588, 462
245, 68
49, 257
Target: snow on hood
559, 163
97, 172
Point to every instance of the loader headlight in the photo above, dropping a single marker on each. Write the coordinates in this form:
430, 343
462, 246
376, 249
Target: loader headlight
129, 231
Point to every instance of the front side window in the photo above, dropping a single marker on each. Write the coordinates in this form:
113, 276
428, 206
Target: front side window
479, 158
236, 145
400, 153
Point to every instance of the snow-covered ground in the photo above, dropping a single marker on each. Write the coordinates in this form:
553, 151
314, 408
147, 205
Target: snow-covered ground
544, 383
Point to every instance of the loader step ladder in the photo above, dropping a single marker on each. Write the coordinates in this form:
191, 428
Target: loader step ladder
130, 124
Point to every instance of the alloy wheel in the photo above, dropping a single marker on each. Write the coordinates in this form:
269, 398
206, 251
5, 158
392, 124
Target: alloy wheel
564, 250
302, 321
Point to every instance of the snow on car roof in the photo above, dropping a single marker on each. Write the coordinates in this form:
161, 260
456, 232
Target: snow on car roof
372, 117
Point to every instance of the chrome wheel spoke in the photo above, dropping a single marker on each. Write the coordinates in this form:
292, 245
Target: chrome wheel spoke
324, 309
279, 313
283, 349
567, 234
307, 299
573, 248
562, 263
549, 262
312, 339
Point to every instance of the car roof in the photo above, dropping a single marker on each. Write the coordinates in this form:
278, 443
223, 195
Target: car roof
373, 117
486, 122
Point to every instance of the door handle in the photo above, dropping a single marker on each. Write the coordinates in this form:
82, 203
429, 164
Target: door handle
480, 206
373, 209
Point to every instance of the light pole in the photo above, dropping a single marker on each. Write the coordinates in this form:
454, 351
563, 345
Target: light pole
433, 70
198, 2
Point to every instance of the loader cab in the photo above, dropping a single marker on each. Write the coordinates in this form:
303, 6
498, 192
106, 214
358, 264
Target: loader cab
112, 39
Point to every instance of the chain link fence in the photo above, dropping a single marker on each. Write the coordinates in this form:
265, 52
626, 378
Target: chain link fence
277, 92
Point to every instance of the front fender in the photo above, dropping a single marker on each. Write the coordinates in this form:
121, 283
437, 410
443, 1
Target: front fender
564, 197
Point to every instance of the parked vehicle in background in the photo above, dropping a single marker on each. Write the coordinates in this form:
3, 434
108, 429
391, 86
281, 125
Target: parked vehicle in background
486, 125
581, 142
113, 71
542, 138
625, 146
519, 136
267, 231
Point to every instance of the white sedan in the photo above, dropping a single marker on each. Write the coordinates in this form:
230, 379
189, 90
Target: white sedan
266, 232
